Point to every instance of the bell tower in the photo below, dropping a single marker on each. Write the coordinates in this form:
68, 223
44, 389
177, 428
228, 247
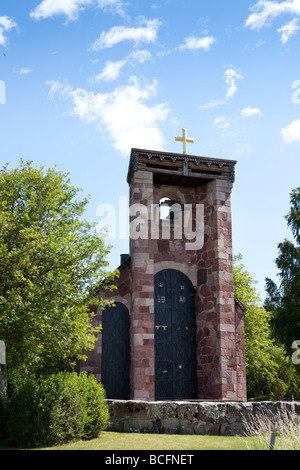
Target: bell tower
176, 331
186, 323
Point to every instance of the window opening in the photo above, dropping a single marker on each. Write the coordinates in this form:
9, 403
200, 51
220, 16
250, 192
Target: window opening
166, 204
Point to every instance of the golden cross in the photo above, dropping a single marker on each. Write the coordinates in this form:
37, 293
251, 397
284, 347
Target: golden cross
184, 139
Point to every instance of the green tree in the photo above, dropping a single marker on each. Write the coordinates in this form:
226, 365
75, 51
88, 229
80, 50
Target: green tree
270, 372
283, 301
51, 262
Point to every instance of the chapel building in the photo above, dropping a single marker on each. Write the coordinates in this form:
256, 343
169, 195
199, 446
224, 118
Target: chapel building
176, 331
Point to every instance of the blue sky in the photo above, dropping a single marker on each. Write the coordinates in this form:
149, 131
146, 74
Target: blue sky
84, 81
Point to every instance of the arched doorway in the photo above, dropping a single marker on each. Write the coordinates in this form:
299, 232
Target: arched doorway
115, 351
175, 336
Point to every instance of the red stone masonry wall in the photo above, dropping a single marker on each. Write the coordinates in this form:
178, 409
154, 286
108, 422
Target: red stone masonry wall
142, 307
220, 318
218, 369
215, 300
122, 294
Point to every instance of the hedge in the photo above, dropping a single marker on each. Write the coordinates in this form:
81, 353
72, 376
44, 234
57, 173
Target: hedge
53, 410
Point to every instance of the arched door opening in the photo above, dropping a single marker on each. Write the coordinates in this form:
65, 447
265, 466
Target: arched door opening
175, 336
115, 351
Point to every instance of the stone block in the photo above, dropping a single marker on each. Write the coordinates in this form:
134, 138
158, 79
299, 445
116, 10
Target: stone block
233, 429
204, 429
137, 425
212, 412
213, 418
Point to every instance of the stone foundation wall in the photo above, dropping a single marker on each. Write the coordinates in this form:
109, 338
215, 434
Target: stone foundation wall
201, 418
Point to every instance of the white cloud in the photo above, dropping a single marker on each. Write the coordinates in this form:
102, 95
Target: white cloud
24, 71
117, 34
212, 104
194, 43
109, 3
242, 149
265, 11
6, 24
56, 87
69, 8
230, 77
112, 70
289, 30
249, 112
140, 56
291, 133
49, 8
221, 123
124, 114
225, 124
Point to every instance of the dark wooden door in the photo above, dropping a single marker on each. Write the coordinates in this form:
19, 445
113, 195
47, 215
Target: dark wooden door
115, 352
175, 337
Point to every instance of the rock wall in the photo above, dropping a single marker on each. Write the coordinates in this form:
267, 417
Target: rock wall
201, 418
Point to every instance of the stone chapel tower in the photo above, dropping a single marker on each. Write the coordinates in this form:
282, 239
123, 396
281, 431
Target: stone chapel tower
176, 331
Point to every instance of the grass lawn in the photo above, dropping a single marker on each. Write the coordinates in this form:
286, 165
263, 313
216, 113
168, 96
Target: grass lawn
123, 442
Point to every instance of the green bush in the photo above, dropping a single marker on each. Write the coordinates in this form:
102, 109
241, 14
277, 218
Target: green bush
53, 410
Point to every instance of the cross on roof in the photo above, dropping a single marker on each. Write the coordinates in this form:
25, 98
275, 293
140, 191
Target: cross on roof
184, 139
